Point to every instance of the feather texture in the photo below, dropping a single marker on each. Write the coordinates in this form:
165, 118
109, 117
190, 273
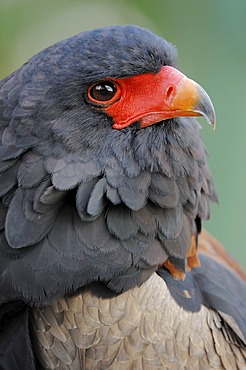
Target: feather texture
88, 212
95, 332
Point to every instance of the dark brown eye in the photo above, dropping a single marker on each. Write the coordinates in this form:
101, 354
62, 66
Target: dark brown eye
104, 92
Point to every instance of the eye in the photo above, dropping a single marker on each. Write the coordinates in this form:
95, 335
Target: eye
104, 93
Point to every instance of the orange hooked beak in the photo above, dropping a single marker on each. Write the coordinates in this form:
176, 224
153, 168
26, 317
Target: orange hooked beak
150, 98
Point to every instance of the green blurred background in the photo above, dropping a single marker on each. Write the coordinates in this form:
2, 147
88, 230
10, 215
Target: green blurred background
211, 39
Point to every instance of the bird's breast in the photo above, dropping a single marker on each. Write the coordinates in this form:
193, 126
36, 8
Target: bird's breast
143, 328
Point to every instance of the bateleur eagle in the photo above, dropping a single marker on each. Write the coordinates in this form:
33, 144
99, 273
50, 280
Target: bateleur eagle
104, 183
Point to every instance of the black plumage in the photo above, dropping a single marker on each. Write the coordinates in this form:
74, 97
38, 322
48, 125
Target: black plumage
73, 148
81, 201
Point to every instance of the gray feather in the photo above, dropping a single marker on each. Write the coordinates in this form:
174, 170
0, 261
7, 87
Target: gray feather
31, 171
120, 222
97, 199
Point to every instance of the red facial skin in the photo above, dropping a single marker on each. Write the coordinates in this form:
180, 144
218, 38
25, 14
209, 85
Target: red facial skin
150, 98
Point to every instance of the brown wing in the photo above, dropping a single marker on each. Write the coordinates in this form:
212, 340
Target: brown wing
213, 248
209, 245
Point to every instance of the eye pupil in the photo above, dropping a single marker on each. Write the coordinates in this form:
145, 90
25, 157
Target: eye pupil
103, 91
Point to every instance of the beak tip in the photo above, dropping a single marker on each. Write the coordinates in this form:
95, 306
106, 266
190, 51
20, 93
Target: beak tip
205, 107
211, 120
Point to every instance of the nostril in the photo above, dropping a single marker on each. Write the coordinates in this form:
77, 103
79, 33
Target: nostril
169, 93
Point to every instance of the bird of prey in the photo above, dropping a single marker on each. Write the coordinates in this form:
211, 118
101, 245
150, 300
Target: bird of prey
104, 185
